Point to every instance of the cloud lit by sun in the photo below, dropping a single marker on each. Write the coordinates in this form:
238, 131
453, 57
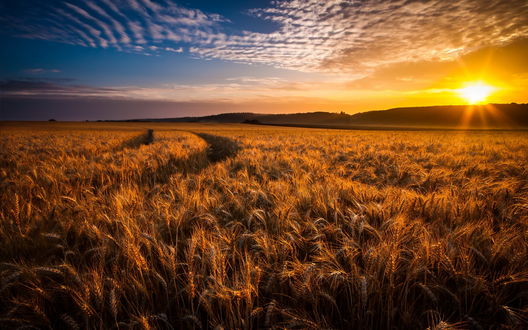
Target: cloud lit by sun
475, 92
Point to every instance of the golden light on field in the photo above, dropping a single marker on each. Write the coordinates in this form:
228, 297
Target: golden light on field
476, 92
227, 211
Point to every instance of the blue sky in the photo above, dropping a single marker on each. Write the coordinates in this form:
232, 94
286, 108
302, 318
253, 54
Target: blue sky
207, 57
108, 63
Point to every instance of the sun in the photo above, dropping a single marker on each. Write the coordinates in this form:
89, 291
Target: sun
476, 92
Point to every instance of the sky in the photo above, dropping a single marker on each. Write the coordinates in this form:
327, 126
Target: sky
123, 59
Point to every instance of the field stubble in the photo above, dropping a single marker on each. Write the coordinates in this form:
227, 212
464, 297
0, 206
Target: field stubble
253, 227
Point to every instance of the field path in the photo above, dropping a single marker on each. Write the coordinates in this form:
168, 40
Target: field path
219, 149
137, 141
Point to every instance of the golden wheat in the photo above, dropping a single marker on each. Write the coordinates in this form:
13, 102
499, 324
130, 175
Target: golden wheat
240, 226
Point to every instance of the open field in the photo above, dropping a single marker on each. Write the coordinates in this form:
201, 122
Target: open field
247, 226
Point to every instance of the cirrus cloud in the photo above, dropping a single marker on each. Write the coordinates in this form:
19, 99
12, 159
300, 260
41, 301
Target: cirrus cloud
357, 36
350, 36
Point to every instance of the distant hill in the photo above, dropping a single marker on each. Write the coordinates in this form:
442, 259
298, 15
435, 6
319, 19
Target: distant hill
479, 116
453, 116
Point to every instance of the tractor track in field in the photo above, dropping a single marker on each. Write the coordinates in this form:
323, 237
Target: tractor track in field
137, 141
218, 149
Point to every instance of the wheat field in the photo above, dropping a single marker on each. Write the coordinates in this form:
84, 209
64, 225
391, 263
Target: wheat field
240, 226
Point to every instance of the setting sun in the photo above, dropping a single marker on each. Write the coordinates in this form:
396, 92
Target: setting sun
475, 92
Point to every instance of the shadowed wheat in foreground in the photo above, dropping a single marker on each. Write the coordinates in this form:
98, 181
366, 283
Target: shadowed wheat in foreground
234, 227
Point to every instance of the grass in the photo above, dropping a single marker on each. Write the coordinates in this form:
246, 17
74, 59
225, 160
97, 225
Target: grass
241, 226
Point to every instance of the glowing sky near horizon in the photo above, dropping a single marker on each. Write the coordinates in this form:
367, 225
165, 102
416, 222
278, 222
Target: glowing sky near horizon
181, 58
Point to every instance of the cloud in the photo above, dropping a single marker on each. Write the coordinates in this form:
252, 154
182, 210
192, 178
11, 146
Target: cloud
341, 36
505, 63
41, 71
236, 89
137, 30
52, 88
90, 32
104, 23
498, 63
120, 29
359, 36
98, 23
174, 50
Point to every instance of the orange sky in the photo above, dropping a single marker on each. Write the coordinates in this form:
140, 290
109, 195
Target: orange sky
398, 84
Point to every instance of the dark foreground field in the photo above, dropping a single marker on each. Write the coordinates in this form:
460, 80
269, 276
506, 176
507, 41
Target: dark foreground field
245, 226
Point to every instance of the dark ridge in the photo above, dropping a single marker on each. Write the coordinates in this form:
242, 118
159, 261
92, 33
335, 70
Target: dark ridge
237, 117
490, 116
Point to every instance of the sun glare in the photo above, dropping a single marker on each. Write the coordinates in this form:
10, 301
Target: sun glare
475, 92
